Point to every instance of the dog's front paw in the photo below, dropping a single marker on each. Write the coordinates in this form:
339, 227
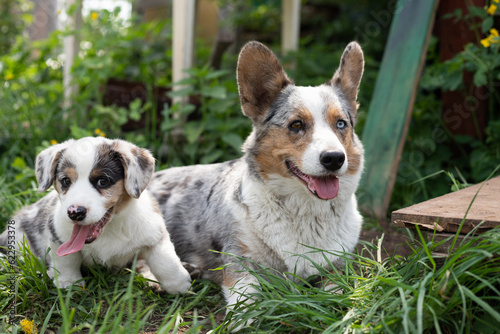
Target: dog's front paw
62, 281
67, 282
176, 287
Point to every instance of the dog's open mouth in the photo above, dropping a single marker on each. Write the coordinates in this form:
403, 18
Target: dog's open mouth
84, 234
324, 187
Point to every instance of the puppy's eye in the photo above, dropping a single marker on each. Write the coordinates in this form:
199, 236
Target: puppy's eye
103, 182
341, 124
296, 125
65, 181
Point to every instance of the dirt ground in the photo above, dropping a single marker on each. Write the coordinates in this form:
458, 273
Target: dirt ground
394, 241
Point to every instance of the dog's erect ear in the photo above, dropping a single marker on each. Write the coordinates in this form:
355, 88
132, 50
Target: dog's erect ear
46, 164
348, 75
260, 79
138, 164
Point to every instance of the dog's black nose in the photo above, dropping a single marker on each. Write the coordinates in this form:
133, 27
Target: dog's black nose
77, 212
332, 160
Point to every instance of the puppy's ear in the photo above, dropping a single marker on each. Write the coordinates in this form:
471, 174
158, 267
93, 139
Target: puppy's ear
348, 75
46, 164
138, 164
260, 79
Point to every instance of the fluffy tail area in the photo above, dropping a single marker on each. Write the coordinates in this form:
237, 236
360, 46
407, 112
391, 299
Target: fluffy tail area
3, 242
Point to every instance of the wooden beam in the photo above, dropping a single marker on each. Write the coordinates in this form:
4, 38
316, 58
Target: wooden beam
71, 48
183, 15
385, 130
44, 19
290, 27
446, 213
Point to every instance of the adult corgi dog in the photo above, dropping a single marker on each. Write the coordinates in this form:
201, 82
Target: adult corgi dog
293, 189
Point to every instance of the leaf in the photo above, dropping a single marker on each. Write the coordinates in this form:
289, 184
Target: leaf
185, 81
482, 304
211, 157
477, 11
453, 81
480, 78
18, 163
193, 131
456, 15
220, 106
487, 24
186, 91
135, 109
186, 109
216, 74
233, 140
78, 133
217, 92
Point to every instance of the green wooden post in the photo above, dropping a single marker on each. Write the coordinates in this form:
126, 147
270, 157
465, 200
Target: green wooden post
389, 114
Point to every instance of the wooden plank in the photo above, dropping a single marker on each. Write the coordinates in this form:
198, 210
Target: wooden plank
446, 213
71, 48
290, 27
385, 129
183, 14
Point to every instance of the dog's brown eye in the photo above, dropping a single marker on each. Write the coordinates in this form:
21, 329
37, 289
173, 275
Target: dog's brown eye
296, 125
65, 181
103, 182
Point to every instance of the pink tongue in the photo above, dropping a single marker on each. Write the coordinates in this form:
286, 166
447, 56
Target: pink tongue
76, 242
326, 188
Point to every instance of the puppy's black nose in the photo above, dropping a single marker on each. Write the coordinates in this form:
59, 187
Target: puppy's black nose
332, 160
77, 212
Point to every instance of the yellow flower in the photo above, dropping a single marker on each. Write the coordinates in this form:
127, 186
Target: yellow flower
94, 16
28, 327
9, 76
53, 142
99, 133
493, 38
492, 9
497, 1
486, 42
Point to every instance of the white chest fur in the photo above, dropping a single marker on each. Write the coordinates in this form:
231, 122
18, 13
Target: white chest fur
291, 222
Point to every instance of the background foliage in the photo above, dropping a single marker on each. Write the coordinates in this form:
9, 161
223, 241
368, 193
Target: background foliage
210, 128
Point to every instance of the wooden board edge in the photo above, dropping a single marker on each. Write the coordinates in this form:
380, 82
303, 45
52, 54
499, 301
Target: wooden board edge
393, 172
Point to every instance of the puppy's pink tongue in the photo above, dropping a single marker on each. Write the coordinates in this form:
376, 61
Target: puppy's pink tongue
326, 188
76, 242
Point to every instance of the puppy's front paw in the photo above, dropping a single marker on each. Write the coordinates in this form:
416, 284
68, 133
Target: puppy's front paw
181, 286
66, 282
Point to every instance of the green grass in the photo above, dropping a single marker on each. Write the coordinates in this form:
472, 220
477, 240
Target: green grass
398, 295
111, 302
416, 294
419, 293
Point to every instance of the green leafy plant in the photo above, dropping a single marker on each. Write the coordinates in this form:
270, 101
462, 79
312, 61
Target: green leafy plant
210, 130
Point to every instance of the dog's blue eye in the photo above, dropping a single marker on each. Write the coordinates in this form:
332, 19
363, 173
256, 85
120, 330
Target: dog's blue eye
341, 124
103, 182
